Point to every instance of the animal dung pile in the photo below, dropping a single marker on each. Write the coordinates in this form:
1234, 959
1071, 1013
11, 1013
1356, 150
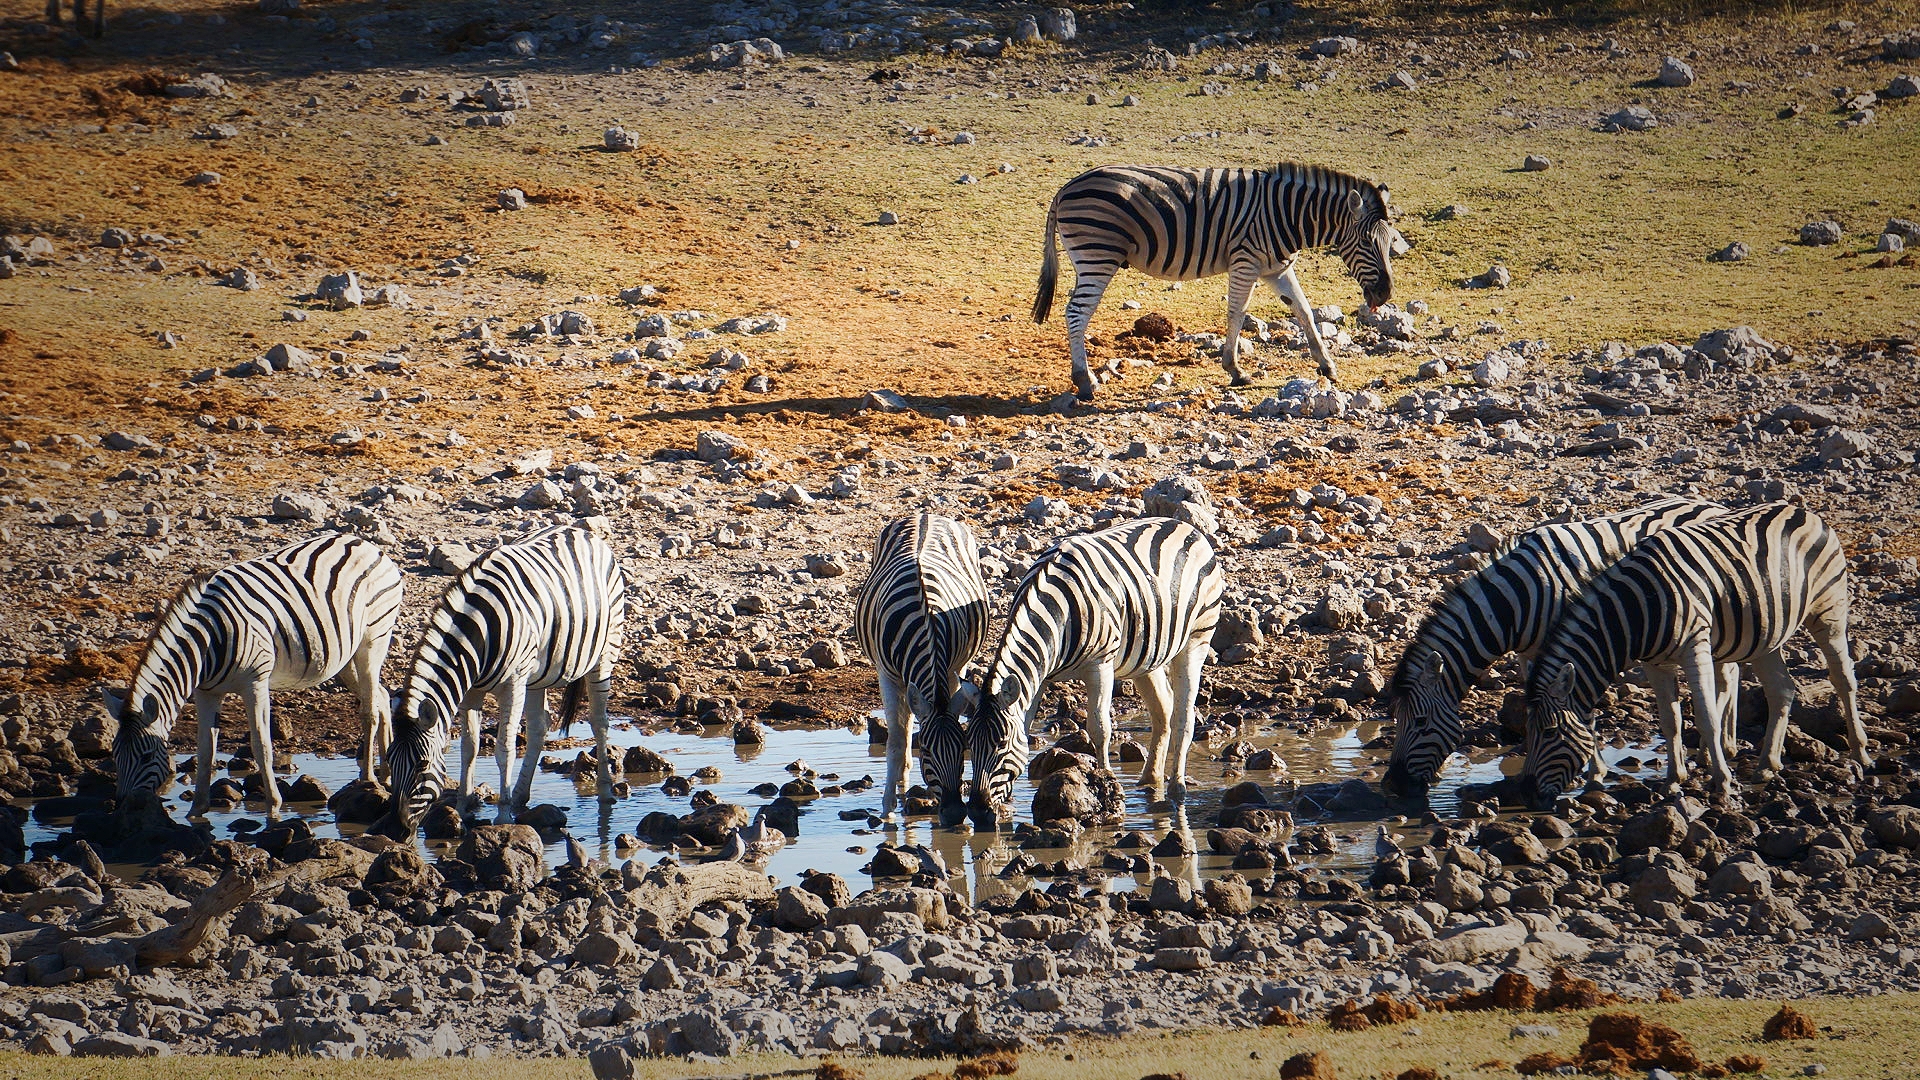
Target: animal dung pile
1516, 992
1619, 1042
1312, 1065
1788, 1023
1382, 1011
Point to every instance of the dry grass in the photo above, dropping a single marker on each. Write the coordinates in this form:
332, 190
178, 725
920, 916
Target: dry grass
1857, 1038
1620, 224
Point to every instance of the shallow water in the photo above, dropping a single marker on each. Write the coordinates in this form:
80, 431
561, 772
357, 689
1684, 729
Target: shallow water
974, 858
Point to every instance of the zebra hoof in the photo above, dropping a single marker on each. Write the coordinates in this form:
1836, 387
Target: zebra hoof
1239, 380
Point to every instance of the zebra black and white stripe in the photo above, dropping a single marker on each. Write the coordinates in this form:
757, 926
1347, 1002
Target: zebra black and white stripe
921, 617
547, 611
286, 621
1186, 224
1506, 607
1138, 601
1695, 599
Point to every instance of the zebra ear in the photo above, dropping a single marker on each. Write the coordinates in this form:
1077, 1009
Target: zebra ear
116, 703
1356, 202
966, 698
1434, 674
1562, 681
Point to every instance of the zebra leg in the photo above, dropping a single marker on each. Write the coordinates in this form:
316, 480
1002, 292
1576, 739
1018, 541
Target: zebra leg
376, 712
206, 708
899, 736
260, 718
1240, 282
1730, 707
1185, 682
597, 692
511, 700
536, 718
1702, 678
1100, 713
1665, 682
469, 751
1090, 283
1777, 681
53, 12
1288, 286
1830, 636
1158, 698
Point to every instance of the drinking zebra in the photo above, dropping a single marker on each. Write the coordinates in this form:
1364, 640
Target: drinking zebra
1186, 224
921, 617
549, 610
1727, 590
1137, 601
286, 621
1506, 607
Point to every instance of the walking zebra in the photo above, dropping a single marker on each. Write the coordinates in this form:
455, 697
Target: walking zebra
1186, 224
1137, 601
1723, 591
549, 610
921, 616
286, 621
1504, 608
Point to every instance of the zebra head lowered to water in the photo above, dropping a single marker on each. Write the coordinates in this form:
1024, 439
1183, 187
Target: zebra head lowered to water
549, 610
1699, 599
1137, 601
921, 617
286, 621
1187, 224
1505, 607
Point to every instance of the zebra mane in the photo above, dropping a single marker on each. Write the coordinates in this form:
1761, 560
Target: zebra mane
1326, 179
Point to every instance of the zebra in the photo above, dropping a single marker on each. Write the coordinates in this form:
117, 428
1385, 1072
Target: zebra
1187, 224
1504, 608
1727, 590
1137, 601
921, 617
549, 610
290, 620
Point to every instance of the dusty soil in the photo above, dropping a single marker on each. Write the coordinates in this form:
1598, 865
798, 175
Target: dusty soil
760, 191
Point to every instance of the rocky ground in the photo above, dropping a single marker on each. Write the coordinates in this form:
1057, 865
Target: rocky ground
741, 478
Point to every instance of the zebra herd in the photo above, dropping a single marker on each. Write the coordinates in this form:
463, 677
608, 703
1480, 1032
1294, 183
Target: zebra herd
549, 610
1137, 601
1674, 586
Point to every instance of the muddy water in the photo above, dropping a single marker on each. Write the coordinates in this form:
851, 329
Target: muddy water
827, 842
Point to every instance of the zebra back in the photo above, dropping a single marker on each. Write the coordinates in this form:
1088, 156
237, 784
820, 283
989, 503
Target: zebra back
1746, 579
550, 608
1134, 595
1505, 607
921, 616
299, 614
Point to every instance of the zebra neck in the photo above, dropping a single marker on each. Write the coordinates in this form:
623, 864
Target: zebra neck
1326, 218
184, 655
1034, 650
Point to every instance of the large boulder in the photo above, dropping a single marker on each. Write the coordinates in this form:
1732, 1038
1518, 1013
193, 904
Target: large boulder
711, 825
505, 858
1662, 827
1183, 498
1077, 793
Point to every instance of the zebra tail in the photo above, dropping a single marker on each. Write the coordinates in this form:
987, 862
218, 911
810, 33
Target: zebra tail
570, 703
1049, 265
